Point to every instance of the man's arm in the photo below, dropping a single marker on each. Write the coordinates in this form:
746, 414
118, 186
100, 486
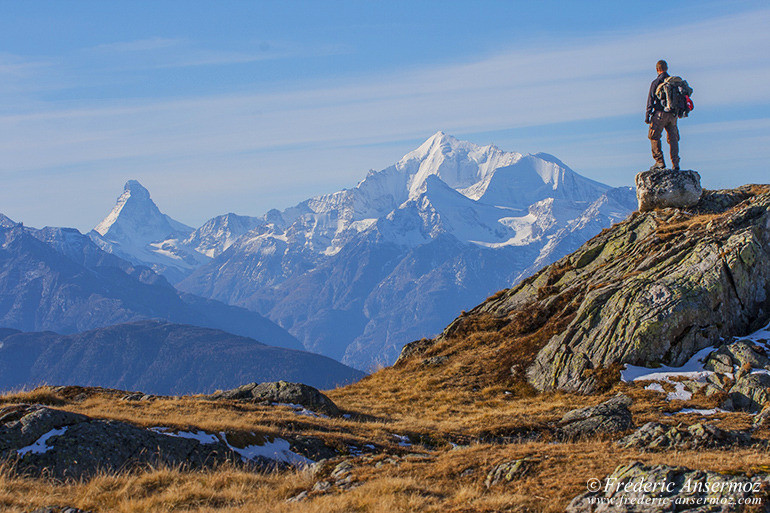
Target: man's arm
650, 102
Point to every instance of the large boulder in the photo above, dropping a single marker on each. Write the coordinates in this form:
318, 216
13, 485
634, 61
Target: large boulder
751, 392
664, 188
660, 488
281, 392
611, 416
55, 443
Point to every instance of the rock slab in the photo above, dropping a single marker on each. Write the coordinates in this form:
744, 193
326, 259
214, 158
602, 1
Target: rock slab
55, 443
665, 188
281, 392
611, 416
654, 436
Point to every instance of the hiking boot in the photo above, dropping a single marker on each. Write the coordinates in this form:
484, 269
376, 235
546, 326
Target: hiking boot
676, 168
658, 166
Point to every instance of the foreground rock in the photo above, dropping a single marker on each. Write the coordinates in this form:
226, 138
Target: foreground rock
751, 392
653, 290
611, 416
665, 188
60, 444
654, 436
632, 488
282, 392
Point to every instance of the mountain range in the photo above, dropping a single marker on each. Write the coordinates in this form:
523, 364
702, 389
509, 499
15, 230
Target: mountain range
356, 274
58, 279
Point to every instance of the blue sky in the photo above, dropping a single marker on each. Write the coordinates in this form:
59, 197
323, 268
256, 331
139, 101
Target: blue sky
246, 106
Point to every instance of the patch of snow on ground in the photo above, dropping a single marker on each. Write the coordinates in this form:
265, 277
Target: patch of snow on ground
692, 369
277, 450
711, 411
680, 392
41, 444
301, 410
657, 387
403, 440
200, 436
762, 334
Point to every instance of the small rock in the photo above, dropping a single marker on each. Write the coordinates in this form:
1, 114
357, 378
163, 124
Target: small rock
610, 416
508, 471
665, 188
321, 486
299, 497
737, 354
414, 348
342, 470
435, 361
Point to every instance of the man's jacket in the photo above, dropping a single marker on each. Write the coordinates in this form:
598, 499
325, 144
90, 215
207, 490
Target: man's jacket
653, 102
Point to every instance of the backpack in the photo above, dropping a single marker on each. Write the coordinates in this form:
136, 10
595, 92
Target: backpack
674, 93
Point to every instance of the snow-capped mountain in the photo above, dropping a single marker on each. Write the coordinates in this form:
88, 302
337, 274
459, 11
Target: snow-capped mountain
219, 233
138, 231
360, 272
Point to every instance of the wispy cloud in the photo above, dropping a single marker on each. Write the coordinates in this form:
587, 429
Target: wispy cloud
138, 45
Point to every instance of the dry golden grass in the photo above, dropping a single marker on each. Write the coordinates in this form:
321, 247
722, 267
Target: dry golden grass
443, 479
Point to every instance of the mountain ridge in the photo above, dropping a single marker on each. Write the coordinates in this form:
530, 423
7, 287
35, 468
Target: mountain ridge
158, 358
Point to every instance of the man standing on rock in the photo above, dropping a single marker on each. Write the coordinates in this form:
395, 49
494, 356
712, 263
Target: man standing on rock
659, 119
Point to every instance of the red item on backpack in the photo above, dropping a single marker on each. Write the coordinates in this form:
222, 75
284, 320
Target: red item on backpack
690, 104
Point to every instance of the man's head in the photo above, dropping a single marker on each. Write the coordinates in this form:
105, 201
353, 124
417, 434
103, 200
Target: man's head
661, 66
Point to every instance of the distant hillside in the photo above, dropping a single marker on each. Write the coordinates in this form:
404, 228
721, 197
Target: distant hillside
57, 279
158, 358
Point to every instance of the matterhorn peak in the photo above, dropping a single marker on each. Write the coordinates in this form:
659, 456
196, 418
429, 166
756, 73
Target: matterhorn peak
136, 217
136, 190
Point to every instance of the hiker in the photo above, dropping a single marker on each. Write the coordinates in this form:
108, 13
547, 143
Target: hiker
658, 119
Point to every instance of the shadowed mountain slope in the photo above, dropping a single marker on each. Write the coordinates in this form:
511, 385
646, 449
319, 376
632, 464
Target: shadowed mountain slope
158, 358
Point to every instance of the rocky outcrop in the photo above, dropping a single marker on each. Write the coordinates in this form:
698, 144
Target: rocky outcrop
678, 489
56, 443
281, 392
611, 416
665, 188
654, 436
652, 290
751, 392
